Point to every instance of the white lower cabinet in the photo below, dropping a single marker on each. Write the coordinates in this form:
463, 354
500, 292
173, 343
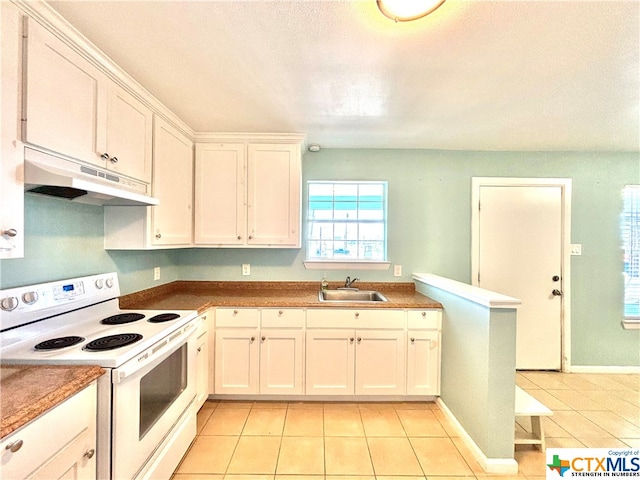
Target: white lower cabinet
259, 351
423, 362
281, 365
360, 362
202, 357
330, 362
423, 352
327, 351
364, 356
380, 362
32, 452
237, 361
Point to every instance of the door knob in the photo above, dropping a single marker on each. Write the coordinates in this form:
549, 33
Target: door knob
556, 292
555, 278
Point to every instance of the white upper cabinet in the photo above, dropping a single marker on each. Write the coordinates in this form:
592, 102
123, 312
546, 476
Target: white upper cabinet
70, 107
247, 195
129, 135
11, 185
170, 223
172, 220
220, 202
273, 205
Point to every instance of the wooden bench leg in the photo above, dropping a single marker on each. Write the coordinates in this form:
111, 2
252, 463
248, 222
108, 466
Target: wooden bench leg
538, 430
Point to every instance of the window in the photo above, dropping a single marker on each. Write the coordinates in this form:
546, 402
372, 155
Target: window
630, 227
347, 221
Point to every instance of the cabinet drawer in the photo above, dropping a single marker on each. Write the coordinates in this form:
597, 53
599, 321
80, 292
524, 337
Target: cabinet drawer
356, 318
424, 319
283, 317
73, 418
237, 317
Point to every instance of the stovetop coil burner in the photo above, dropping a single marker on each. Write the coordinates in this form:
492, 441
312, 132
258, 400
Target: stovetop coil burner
57, 343
163, 317
121, 318
111, 342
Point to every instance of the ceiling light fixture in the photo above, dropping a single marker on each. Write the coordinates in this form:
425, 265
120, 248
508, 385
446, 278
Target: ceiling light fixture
407, 10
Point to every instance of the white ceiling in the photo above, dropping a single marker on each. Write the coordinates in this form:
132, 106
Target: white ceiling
474, 75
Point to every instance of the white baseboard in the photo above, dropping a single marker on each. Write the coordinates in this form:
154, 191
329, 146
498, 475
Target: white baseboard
601, 369
501, 466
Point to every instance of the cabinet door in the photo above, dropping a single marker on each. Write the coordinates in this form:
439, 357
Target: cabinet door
129, 131
74, 462
236, 364
202, 368
220, 198
380, 362
63, 101
11, 185
423, 362
281, 365
330, 362
69, 453
173, 184
274, 194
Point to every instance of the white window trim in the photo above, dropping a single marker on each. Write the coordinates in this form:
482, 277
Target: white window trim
351, 263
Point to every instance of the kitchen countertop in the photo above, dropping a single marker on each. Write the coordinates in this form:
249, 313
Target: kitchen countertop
30, 390
201, 295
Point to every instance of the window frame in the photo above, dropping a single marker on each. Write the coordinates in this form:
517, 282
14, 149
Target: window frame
346, 263
630, 238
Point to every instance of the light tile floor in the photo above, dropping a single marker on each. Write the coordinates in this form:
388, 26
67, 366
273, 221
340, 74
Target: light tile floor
384, 441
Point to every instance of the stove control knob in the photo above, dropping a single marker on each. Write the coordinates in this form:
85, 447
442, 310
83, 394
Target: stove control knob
8, 303
99, 284
30, 297
109, 282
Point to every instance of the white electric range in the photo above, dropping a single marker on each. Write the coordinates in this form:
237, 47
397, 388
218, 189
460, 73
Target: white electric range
145, 419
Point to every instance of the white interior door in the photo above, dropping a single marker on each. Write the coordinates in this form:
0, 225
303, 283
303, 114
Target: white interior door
520, 239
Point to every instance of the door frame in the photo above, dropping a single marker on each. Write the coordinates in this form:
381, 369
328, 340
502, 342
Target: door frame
565, 253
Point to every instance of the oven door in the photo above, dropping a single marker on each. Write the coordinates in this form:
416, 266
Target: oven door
150, 393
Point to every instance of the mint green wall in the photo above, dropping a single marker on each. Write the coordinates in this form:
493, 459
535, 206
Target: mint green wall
65, 239
429, 231
479, 356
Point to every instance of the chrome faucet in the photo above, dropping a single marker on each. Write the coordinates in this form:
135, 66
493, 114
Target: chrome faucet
348, 282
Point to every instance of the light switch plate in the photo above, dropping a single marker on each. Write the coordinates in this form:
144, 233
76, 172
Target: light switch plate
576, 249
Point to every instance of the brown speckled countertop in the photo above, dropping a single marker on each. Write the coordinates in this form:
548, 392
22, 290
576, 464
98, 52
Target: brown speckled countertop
201, 295
30, 390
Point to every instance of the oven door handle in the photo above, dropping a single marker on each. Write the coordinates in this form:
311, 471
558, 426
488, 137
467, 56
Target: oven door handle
156, 352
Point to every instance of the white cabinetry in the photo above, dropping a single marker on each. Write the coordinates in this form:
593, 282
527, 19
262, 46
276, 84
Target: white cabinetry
247, 195
72, 108
330, 362
170, 223
282, 351
202, 369
266, 360
34, 452
237, 351
327, 351
362, 353
423, 352
11, 151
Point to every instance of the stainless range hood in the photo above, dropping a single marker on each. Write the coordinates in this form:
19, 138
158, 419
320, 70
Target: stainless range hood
50, 175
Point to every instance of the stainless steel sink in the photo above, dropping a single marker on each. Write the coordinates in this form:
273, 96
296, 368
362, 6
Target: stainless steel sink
350, 295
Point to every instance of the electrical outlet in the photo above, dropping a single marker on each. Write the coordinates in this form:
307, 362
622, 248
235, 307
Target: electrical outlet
397, 270
246, 269
156, 273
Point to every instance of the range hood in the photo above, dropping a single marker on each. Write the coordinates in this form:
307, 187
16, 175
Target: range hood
48, 174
